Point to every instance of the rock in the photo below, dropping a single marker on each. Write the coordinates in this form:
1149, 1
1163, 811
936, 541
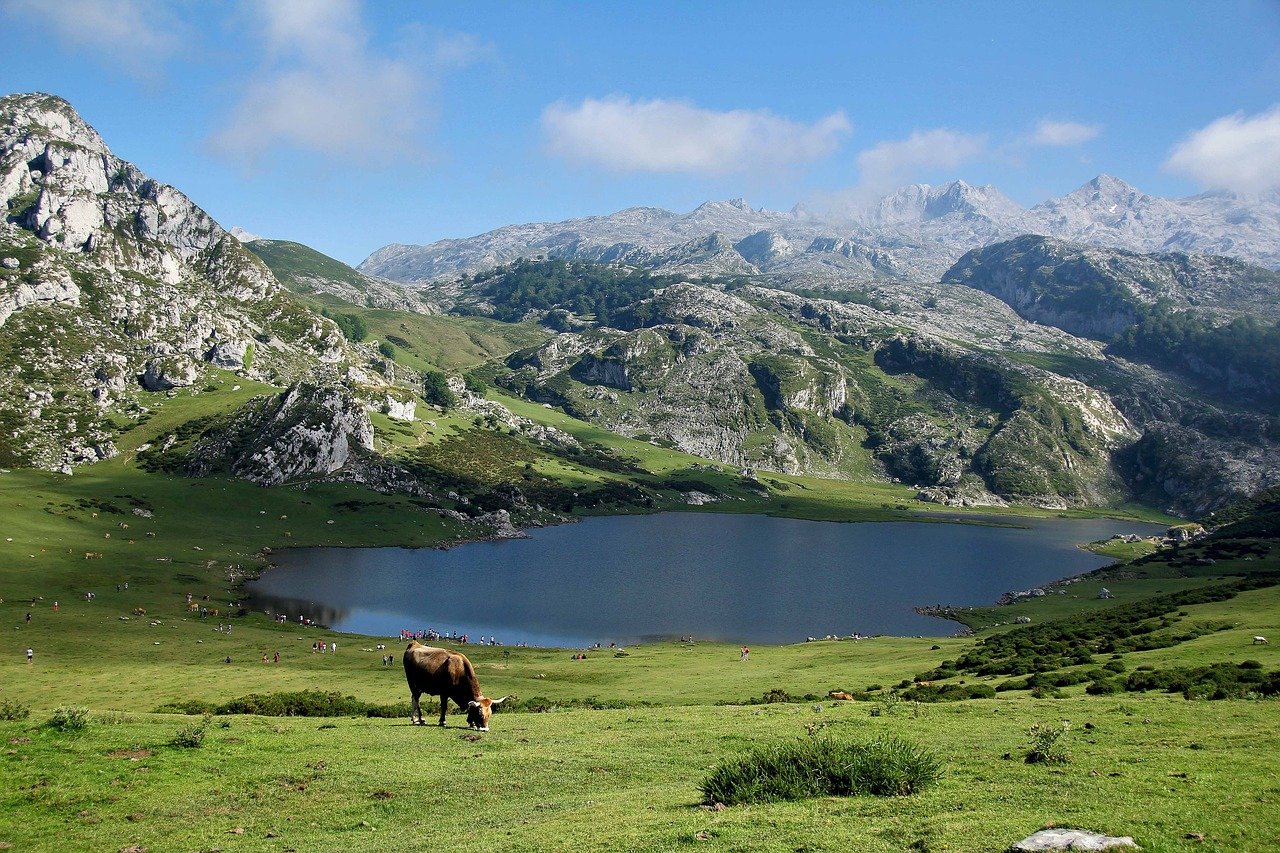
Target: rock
228, 354
400, 410
164, 374
306, 431
1071, 839
9, 263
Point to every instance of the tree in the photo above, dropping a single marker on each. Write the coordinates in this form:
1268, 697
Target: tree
436, 390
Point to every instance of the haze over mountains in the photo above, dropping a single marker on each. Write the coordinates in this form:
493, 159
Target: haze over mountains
914, 233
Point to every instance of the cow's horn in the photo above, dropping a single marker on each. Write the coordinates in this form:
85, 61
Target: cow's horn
473, 704
499, 701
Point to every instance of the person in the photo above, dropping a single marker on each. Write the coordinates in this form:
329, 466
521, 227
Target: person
333, 647
745, 651
28, 617
277, 658
227, 659
55, 607
31, 653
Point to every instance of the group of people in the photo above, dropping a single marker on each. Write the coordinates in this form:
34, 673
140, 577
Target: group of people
320, 646
432, 634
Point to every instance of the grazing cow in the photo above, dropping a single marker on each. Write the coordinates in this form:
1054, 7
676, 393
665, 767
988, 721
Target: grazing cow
842, 695
449, 675
1259, 641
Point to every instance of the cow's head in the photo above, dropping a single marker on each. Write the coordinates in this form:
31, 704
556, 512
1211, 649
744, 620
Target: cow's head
479, 711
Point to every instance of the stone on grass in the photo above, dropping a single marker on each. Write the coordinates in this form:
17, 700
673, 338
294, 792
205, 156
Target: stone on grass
1071, 839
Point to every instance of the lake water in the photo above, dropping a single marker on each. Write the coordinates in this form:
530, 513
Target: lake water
738, 578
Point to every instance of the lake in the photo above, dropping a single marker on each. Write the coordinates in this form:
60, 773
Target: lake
737, 578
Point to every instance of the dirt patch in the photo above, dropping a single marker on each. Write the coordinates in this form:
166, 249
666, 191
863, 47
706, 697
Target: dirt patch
19, 740
382, 795
131, 754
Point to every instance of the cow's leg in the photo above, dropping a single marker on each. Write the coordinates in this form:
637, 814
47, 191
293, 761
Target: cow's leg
444, 708
415, 712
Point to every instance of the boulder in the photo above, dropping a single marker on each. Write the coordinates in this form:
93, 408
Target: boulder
228, 354
1071, 839
165, 374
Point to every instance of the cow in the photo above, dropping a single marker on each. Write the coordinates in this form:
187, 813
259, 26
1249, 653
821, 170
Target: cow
1259, 641
449, 675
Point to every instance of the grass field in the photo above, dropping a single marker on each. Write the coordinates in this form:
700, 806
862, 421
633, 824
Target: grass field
627, 778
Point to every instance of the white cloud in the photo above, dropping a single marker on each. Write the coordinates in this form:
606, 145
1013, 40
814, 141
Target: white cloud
133, 35
325, 89
891, 164
1060, 134
676, 136
1236, 152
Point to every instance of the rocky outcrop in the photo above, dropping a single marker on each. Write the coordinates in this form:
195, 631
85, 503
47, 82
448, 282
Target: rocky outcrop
1098, 293
307, 431
114, 287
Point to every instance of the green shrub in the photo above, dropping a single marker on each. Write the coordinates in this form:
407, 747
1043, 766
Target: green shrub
436, 390
190, 736
68, 719
13, 711
303, 703
1102, 687
1046, 744
387, 350
822, 767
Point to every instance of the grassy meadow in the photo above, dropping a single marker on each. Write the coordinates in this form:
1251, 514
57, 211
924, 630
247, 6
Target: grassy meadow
616, 757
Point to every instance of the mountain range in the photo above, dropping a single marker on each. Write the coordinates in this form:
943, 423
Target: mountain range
914, 233
1027, 369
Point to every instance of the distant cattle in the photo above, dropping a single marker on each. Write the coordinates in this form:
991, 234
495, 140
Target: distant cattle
841, 695
1259, 641
448, 675
92, 555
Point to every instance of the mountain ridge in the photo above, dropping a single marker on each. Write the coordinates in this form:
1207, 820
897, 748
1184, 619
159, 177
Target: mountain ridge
926, 229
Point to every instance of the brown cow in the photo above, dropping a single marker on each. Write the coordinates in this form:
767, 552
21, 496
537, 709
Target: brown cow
449, 675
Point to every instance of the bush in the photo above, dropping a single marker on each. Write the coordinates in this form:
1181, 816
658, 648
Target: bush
303, 703
1046, 744
436, 390
190, 736
68, 719
1103, 687
13, 711
822, 767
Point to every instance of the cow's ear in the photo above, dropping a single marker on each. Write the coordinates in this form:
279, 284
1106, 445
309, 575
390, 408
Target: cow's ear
499, 701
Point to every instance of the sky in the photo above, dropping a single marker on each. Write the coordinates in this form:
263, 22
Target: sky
348, 125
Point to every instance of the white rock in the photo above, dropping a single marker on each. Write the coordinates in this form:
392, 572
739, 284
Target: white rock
1071, 839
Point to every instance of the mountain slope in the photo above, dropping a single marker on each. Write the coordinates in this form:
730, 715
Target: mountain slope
305, 271
114, 287
1098, 292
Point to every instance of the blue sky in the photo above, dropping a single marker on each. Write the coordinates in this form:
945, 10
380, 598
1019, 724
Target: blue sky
349, 125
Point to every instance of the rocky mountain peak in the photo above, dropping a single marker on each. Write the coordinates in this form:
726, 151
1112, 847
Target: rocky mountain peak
46, 117
61, 182
968, 200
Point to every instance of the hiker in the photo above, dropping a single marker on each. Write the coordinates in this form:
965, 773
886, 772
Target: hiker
28, 617
745, 651
31, 653
277, 658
